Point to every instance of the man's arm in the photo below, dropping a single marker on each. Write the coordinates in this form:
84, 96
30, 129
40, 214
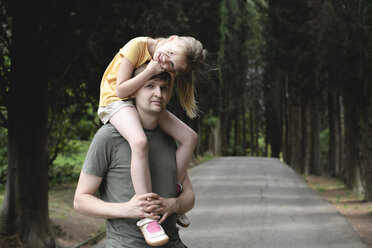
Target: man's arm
85, 202
180, 205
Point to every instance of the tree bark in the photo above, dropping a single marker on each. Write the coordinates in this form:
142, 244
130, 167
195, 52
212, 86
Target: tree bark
244, 127
315, 140
286, 126
333, 145
251, 131
307, 140
273, 118
296, 136
237, 149
366, 149
335, 154
351, 145
341, 156
25, 209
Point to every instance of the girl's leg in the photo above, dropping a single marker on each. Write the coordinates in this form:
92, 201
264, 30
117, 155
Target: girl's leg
186, 137
128, 123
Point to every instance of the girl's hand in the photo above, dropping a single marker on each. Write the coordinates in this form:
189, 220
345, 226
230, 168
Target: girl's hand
154, 67
169, 206
144, 206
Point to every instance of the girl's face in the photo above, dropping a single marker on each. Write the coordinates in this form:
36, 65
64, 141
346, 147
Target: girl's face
171, 56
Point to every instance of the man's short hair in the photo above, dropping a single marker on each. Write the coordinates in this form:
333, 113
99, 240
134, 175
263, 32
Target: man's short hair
164, 75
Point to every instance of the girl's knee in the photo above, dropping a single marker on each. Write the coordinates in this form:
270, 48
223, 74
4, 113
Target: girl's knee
192, 138
140, 145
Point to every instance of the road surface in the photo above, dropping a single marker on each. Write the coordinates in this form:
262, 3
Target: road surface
261, 203
244, 202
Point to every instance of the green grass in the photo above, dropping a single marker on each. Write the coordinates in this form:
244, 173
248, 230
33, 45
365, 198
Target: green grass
337, 185
336, 192
76, 157
66, 167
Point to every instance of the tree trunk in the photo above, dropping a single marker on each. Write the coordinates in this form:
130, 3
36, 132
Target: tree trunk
251, 129
256, 132
227, 133
307, 140
366, 149
296, 137
351, 145
315, 140
25, 209
273, 118
334, 139
341, 155
244, 128
215, 145
236, 132
285, 110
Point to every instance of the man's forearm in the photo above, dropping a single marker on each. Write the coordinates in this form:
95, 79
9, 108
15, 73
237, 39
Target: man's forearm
92, 206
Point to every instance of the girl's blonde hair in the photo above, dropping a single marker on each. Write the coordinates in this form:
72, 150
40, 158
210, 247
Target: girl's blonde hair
195, 55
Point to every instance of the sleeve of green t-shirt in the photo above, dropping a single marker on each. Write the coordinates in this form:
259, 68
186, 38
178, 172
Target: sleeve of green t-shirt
98, 158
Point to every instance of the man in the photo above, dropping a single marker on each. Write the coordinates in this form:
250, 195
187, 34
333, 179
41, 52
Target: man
107, 169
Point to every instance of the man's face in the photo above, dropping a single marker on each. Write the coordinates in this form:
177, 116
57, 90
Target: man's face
152, 96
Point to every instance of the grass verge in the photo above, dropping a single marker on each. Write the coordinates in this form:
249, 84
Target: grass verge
348, 203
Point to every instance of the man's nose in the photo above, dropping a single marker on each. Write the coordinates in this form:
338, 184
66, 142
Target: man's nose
157, 91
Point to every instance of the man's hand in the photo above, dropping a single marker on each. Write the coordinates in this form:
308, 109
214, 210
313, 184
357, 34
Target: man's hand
144, 206
169, 206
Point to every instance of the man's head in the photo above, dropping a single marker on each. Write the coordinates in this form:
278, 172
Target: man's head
152, 96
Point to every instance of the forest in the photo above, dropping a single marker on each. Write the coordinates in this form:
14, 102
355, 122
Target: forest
288, 79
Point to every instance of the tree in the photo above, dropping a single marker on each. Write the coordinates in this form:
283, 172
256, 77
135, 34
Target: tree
25, 208
239, 61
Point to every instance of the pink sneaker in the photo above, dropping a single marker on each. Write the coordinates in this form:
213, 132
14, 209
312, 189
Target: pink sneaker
153, 232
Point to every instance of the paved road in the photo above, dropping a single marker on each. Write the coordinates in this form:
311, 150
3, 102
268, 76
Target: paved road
261, 203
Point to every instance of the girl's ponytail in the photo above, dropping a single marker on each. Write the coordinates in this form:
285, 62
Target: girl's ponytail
195, 56
186, 93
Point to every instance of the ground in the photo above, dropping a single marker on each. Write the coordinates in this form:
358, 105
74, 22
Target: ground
71, 227
350, 205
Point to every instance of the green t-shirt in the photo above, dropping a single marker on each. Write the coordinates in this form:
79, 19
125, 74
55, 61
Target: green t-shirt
109, 157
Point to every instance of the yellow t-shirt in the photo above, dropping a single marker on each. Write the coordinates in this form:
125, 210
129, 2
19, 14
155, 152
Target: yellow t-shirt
137, 53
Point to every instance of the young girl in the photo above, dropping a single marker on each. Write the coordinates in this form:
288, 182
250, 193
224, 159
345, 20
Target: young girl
176, 55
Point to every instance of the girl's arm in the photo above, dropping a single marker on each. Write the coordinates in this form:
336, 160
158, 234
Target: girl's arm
85, 202
126, 85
